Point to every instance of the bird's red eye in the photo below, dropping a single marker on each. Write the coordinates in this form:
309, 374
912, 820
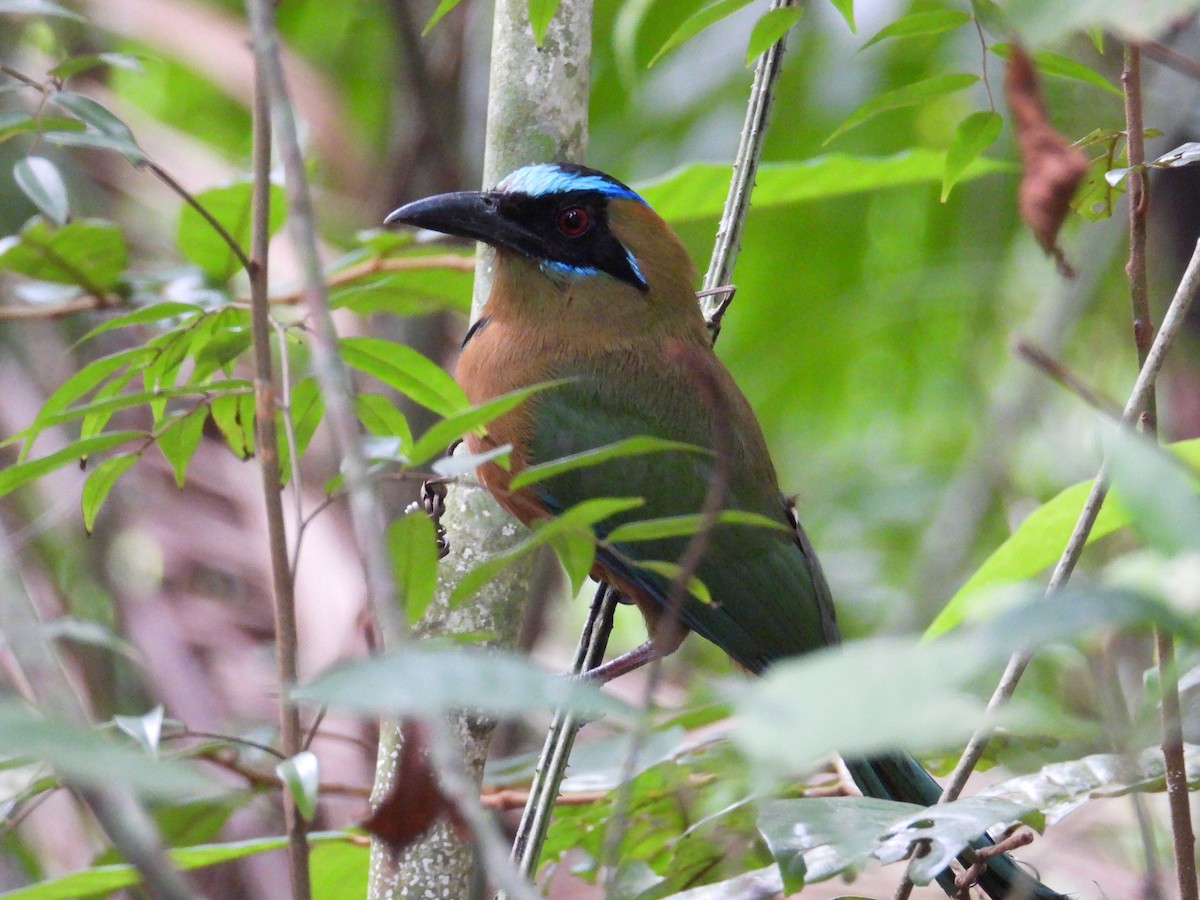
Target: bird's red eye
574, 221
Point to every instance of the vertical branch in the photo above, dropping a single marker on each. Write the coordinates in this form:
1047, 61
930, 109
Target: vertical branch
537, 111
267, 452
1143, 336
745, 164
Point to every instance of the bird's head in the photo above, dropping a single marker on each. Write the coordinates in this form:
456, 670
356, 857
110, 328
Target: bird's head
572, 230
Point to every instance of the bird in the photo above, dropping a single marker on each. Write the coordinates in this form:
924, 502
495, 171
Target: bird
592, 290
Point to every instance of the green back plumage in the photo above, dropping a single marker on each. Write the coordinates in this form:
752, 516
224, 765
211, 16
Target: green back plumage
770, 596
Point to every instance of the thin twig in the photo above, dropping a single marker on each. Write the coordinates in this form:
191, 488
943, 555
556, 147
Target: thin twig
745, 165
289, 435
377, 264
187, 197
1068, 379
334, 380
1172, 323
267, 452
47, 311
1171, 58
983, 64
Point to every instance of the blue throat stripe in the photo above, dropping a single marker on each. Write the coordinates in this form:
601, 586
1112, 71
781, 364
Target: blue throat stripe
548, 178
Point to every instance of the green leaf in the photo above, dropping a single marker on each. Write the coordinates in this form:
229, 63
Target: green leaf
339, 868
380, 416
215, 343
1059, 66
226, 413
115, 133
697, 192
106, 879
76, 64
459, 463
405, 370
39, 180
633, 446
229, 205
441, 434
681, 526
179, 440
442, 8
88, 379
697, 22
1159, 494
146, 729
773, 25
579, 519
87, 252
1038, 542
156, 312
105, 405
87, 758
540, 14
909, 95
412, 541
94, 140
846, 8
14, 123
306, 407
974, 134
576, 551
671, 571
934, 21
300, 774
100, 482
813, 839
426, 680
408, 292
1062, 787
14, 476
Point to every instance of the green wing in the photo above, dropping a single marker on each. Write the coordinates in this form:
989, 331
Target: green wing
770, 598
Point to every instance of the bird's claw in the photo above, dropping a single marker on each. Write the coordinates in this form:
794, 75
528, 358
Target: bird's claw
433, 501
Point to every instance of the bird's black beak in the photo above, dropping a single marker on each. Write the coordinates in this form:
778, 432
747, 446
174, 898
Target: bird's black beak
468, 214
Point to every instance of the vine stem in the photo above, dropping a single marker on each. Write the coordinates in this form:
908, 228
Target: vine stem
715, 295
267, 454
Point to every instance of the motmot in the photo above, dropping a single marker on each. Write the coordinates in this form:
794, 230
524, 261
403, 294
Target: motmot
592, 289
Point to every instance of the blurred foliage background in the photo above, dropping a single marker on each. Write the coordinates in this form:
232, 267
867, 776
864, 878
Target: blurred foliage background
872, 330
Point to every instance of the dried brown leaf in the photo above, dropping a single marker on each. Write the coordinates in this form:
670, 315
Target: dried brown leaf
415, 801
1051, 168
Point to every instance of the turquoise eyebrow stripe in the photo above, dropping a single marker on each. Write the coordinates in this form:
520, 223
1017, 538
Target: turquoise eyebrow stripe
547, 178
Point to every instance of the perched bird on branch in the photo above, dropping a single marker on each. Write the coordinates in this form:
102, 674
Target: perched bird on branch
592, 287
